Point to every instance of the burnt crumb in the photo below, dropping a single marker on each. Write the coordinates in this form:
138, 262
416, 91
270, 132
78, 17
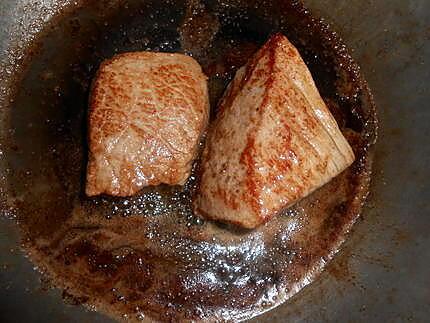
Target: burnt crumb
198, 29
73, 300
149, 255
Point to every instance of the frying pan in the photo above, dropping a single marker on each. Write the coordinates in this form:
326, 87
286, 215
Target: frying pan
381, 272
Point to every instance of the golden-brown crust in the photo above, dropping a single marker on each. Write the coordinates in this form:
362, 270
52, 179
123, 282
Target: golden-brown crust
147, 112
273, 143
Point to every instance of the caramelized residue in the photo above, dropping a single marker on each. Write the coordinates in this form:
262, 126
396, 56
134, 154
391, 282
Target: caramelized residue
149, 256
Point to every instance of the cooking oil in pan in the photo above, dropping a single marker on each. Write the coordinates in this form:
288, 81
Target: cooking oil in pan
149, 256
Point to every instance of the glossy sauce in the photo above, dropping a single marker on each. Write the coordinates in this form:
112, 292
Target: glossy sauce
149, 256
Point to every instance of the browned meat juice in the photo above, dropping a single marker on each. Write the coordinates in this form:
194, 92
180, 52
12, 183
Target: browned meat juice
148, 256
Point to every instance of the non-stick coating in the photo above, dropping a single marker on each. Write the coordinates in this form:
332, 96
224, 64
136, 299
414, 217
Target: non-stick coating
381, 274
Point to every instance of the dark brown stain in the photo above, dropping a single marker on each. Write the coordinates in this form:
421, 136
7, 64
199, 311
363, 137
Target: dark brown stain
340, 268
401, 237
395, 131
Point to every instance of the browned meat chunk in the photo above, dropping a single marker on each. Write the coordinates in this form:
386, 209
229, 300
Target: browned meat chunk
147, 114
274, 140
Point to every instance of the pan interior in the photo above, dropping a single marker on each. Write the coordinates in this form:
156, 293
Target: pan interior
149, 255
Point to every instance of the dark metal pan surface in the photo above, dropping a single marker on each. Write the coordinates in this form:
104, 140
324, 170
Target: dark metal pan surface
381, 272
